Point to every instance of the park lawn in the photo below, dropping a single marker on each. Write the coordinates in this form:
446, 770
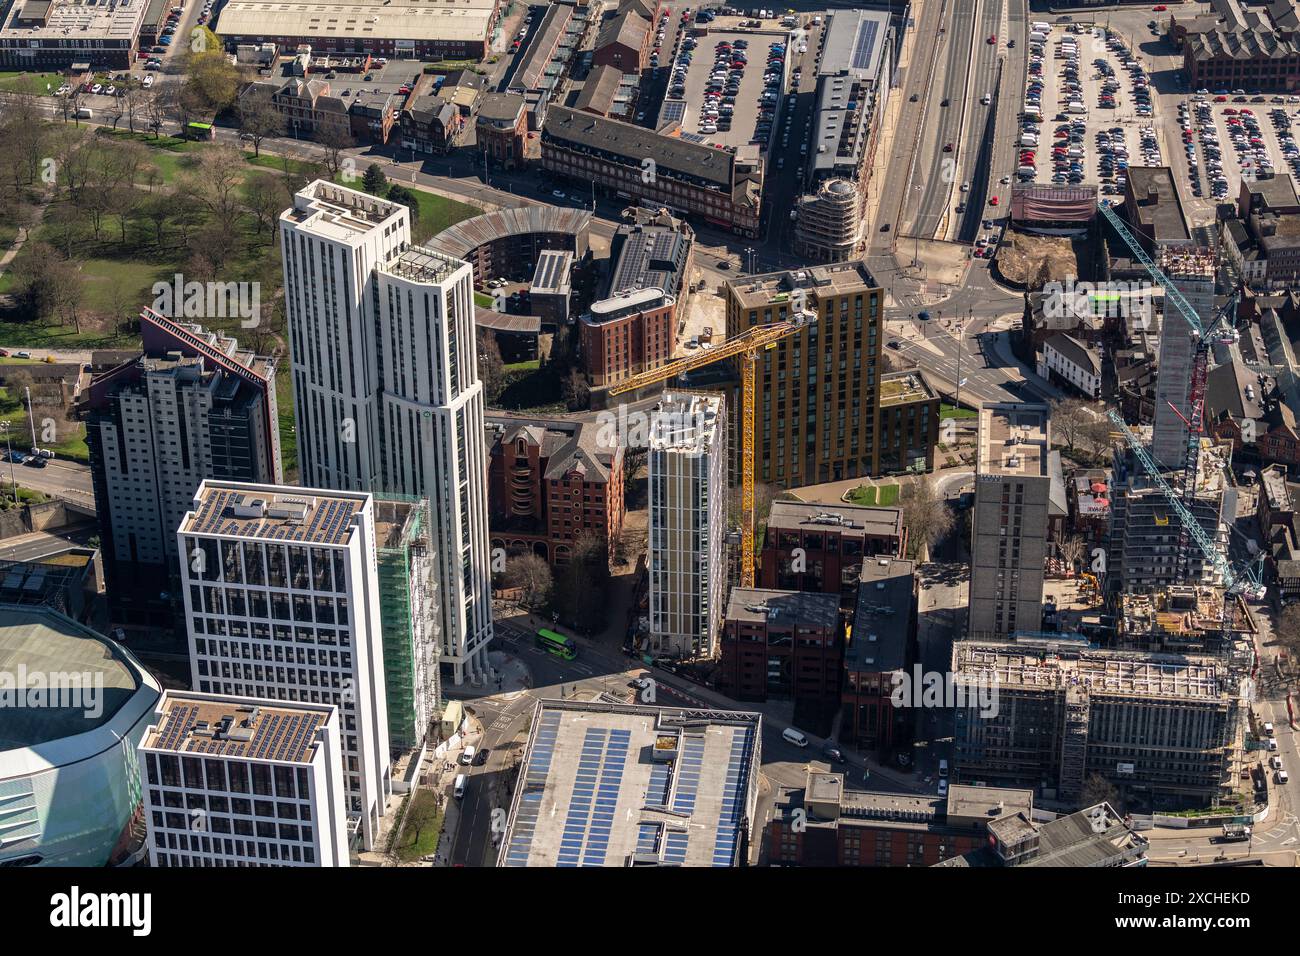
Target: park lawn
872, 496
421, 829
482, 300
955, 411
33, 83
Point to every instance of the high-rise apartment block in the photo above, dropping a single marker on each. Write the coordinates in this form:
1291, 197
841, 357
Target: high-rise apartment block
819, 389
386, 389
688, 517
240, 781
282, 599
192, 406
1009, 534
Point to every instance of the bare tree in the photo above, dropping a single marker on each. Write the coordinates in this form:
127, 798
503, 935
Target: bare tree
335, 139
925, 515
532, 576
1072, 549
259, 119
1070, 417
1287, 631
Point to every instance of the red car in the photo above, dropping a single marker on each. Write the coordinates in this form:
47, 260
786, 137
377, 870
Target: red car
993, 201
947, 148
993, 39
1159, 9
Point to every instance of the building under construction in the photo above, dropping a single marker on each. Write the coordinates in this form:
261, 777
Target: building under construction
1146, 531
1164, 729
1181, 619
408, 603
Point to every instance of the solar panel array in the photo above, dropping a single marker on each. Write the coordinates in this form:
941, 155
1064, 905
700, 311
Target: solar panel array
864, 45
277, 736
675, 844
611, 781
674, 111
530, 801
328, 522
689, 768
660, 785
733, 797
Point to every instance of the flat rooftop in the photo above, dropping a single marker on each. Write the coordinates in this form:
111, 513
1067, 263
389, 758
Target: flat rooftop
753, 292
35, 642
606, 784
784, 608
685, 422
237, 727
855, 43
422, 264
882, 616
62, 18
366, 20
902, 388
988, 803
1013, 440
274, 513
337, 212
806, 516
1047, 665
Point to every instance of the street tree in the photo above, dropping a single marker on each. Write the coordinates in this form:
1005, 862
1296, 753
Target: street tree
925, 515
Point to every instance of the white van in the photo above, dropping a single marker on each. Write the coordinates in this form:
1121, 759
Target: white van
1027, 171
1268, 729
1282, 777
1028, 139
1038, 26
943, 769
1076, 108
459, 790
793, 736
84, 113
467, 757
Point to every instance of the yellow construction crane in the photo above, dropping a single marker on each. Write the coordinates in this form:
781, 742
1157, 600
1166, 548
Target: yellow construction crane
746, 345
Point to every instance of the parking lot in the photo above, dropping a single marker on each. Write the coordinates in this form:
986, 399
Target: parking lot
1231, 135
1094, 97
726, 85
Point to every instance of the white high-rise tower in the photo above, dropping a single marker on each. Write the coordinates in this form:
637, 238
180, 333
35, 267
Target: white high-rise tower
386, 390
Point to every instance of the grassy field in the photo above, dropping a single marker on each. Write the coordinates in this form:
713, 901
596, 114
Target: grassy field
953, 411
37, 84
882, 497
421, 829
71, 442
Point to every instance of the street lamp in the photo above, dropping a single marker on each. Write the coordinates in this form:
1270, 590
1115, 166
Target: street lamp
12, 477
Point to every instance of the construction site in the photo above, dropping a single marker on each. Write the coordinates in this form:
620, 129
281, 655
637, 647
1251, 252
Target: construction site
1166, 730
408, 597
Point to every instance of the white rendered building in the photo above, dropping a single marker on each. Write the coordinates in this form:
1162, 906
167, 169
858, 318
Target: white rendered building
281, 591
241, 781
688, 518
386, 389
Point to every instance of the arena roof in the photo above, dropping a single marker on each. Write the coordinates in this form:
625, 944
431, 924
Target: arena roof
40, 647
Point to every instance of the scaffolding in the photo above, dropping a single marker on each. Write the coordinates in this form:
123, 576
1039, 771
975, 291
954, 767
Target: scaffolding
408, 604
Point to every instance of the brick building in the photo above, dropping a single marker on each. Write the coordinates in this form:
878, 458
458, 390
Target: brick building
823, 823
834, 540
549, 481
502, 128
881, 649
784, 645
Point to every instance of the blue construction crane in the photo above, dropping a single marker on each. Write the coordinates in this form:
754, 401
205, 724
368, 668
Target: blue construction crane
1246, 580
1221, 329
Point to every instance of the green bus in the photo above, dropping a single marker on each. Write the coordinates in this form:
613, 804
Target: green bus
200, 131
556, 644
